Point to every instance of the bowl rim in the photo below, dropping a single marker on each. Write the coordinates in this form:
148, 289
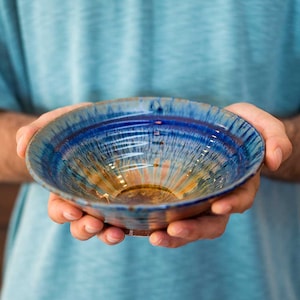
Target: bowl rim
149, 207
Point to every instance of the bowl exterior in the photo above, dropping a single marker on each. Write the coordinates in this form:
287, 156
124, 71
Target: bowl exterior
141, 221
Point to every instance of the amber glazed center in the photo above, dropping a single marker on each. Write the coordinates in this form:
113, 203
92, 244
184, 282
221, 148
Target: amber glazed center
146, 194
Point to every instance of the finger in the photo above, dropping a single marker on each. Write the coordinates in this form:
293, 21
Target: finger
25, 133
163, 239
86, 227
278, 146
61, 211
276, 154
111, 235
180, 233
239, 200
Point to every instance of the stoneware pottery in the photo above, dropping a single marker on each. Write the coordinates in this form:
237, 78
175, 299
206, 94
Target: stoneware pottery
141, 163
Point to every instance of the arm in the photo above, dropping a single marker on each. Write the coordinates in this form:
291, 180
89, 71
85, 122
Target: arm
12, 168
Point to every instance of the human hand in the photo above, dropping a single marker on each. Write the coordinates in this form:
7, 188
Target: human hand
82, 226
178, 233
278, 149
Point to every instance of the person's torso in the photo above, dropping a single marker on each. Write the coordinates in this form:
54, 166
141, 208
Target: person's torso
63, 52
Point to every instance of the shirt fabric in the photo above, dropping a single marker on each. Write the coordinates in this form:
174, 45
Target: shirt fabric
55, 53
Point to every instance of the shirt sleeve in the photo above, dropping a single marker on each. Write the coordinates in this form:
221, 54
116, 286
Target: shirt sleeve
9, 99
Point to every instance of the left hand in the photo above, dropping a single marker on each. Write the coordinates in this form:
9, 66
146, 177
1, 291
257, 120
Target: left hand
278, 149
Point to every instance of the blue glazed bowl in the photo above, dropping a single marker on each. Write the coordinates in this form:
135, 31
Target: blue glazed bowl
141, 163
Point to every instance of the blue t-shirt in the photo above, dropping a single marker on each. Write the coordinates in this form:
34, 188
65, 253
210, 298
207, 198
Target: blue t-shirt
55, 53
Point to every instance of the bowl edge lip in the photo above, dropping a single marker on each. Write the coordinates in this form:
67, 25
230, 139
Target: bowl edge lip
98, 205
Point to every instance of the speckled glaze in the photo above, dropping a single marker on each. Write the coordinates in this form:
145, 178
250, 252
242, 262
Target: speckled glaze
141, 163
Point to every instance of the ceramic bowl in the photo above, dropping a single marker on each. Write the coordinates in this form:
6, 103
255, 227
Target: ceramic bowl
141, 163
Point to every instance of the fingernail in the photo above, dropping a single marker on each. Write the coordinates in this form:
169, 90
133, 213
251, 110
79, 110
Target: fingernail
158, 241
278, 155
19, 134
226, 209
179, 232
222, 209
113, 238
20, 146
90, 229
69, 216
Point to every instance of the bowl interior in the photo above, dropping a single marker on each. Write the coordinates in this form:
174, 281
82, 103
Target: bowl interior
145, 151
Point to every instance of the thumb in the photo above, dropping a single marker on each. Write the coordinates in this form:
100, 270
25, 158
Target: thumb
278, 145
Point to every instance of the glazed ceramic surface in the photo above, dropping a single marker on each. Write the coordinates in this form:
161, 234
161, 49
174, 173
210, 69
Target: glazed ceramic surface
141, 163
